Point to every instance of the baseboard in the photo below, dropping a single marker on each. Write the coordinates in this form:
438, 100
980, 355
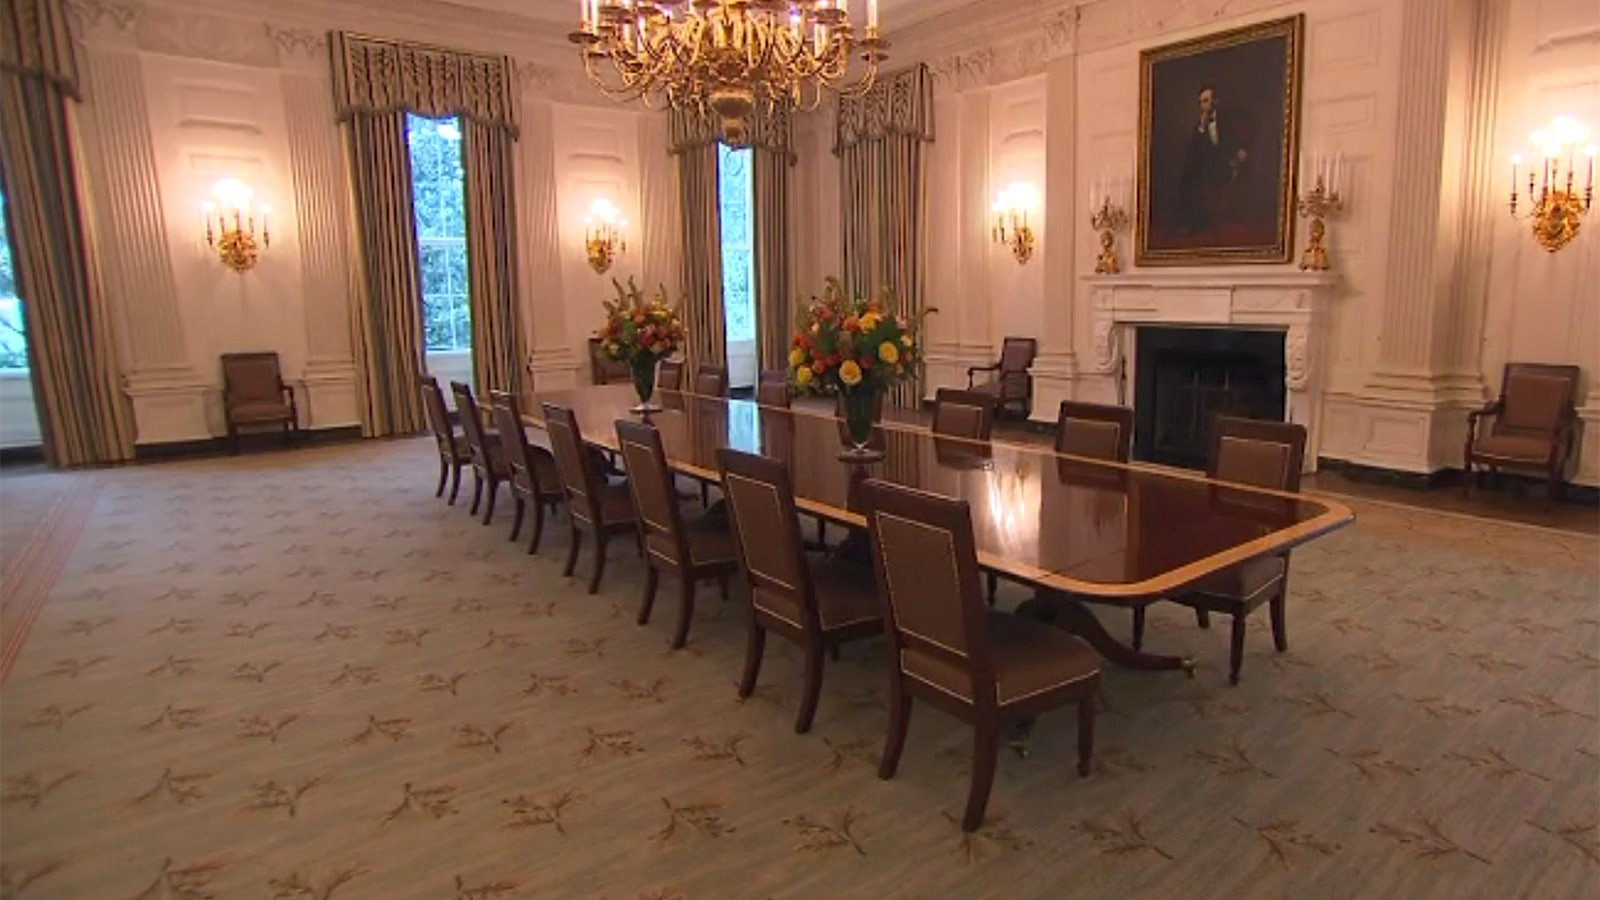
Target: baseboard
1451, 478
21, 456
249, 442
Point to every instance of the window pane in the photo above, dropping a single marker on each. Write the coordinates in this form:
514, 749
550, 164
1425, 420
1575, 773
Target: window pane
13, 345
436, 191
735, 193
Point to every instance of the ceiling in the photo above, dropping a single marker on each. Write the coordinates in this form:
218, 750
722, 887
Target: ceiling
893, 13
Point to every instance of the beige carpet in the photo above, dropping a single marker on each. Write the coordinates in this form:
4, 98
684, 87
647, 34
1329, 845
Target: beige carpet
298, 675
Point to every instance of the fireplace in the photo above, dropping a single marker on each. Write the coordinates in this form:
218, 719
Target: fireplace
1185, 376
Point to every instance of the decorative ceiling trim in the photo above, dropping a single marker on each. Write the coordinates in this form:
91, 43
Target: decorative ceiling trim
1008, 60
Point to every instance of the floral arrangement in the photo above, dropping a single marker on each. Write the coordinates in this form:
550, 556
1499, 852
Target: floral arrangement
638, 331
846, 345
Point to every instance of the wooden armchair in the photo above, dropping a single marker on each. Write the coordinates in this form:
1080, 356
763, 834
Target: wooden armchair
1011, 384
1533, 424
254, 393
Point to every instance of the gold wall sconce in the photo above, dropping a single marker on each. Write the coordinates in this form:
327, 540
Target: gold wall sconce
602, 235
230, 224
1011, 228
1108, 214
1558, 208
1326, 174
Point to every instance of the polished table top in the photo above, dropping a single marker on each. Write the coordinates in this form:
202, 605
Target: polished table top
1102, 530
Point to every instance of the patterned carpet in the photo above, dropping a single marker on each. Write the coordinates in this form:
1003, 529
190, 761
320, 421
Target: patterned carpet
299, 676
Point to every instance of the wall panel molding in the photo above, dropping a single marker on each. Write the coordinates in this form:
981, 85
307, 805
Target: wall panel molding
319, 172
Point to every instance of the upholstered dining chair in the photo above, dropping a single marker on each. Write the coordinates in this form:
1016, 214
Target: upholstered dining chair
488, 463
669, 375
711, 381
948, 648
693, 551
1533, 425
534, 478
452, 445
254, 393
1094, 431
1010, 383
605, 370
817, 602
595, 506
964, 414
1259, 454
772, 388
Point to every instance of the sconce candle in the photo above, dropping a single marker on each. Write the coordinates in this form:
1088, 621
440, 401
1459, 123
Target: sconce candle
1011, 227
235, 241
602, 235
1558, 208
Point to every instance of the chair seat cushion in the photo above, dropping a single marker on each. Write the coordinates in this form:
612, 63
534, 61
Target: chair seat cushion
1513, 447
988, 387
1245, 581
259, 411
710, 542
616, 505
846, 594
1029, 658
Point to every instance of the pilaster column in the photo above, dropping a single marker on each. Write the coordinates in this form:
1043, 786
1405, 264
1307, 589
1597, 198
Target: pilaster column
1056, 367
542, 302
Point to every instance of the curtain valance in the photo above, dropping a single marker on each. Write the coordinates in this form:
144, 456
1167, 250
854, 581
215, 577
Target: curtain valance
36, 43
898, 103
769, 130
375, 75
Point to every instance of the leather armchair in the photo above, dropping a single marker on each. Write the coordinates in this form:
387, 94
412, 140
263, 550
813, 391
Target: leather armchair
1011, 385
1532, 424
254, 393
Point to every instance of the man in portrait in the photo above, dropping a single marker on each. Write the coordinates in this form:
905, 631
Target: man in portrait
1216, 166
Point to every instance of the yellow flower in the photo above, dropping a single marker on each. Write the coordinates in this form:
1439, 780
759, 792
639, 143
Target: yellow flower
796, 356
888, 352
870, 321
850, 373
802, 376
905, 339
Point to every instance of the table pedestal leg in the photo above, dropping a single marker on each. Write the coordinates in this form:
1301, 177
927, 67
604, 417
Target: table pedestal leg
1070, 614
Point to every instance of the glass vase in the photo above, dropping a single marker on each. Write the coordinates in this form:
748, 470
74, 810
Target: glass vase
860, 414
643, 368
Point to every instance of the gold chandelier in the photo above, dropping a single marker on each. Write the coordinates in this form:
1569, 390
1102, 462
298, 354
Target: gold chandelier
722, 57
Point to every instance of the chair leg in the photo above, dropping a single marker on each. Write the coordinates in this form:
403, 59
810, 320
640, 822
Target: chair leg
1278, 609
1085, 735
985, 754
1138, 627
813, 686
233, 439
754, 649
455, 482
538, 526
822, 533
477, 492
705, 495
444, 476
1202, 618
899, 723
572, 551
1236, 649
680, 635
652, 580
494, 491
600, 541
516, 521
994, 586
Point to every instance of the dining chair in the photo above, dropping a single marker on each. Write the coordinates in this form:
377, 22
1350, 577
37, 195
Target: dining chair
1533, 425
595, 506
772, 388
964, 414
946, 647
1259, 454
692, 551
534, 478
1094, 431
488, 463
254, 393
711, 381
605, 370
452, 445
1011, 382
669, 375
814, 601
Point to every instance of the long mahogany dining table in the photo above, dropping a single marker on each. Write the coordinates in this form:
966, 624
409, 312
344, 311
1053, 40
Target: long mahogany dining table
1076, 530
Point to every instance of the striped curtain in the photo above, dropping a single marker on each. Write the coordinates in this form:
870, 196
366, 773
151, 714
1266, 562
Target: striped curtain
388, 314
487, 157
84, 418
774, 294
883, 192
702, 259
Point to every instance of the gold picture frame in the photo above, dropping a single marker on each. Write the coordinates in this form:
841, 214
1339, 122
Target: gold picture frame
1219, 140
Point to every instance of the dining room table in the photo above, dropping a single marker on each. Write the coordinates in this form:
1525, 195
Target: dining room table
1077, 531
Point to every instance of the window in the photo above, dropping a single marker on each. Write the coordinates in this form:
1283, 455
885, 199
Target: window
13, 344
440, 206
735, 195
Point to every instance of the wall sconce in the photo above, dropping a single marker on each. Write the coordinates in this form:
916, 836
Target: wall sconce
1011, 208
1326, 174
1108, 214
1558, 210
602, 235
231, 225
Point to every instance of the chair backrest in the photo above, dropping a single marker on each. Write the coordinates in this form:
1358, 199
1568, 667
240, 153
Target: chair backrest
1538, 398
1256, 452
579, 480
669, 375
767, 528
252, 378
654, 498
1017, 354
602, 368
1095, 431
965, 414
471, 422
438, 415
711, 381
514, 446
772, 388
933, 609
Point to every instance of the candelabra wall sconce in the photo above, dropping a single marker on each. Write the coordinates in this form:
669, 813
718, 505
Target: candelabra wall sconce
1011, 228
230, 225
1108, 214
1558, 208
602, 235
1322, 201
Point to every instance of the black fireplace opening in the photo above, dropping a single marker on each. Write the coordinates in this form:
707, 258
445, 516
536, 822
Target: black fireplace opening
1184, 377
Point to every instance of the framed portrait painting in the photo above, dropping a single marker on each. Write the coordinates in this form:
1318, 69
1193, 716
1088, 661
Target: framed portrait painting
1219, 127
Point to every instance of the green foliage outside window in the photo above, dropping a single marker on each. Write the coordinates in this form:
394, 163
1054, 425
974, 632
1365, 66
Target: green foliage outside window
437, 197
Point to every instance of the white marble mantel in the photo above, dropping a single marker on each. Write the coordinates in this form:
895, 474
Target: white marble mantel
1237, 297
